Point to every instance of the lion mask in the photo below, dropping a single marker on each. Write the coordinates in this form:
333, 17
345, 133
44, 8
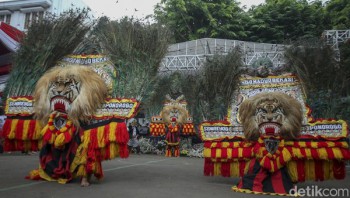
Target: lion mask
271, 114
73, 90
173, 111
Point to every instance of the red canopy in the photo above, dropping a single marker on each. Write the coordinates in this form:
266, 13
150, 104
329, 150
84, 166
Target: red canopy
9, 37
9, 43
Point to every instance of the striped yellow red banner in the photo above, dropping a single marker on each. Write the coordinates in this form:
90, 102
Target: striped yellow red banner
21, 134
305, 160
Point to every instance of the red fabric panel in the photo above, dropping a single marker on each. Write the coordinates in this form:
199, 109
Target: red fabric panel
224, 153
301, 170
258, 181
241, 168
319, 173
277, 183
208, 167
330, 153
338, 169
19, 130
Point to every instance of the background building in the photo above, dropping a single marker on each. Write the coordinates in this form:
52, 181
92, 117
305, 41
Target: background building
15, 18
20, 13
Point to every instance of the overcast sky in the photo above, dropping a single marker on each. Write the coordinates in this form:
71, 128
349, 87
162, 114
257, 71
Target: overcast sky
115, 9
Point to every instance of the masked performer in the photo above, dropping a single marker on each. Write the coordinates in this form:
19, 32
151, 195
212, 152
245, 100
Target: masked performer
73, 145
174, 115
272, 142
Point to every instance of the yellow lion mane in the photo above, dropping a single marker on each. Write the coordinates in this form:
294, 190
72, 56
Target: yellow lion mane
172, 105
93, 92
165, 113
293, 116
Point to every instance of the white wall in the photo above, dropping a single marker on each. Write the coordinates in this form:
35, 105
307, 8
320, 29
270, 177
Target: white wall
57, 7
17, 20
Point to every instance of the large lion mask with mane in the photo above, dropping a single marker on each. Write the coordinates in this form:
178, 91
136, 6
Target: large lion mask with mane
75, 90
271, 114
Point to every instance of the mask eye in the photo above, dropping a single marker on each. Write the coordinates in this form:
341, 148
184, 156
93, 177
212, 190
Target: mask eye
260, 110
277, 110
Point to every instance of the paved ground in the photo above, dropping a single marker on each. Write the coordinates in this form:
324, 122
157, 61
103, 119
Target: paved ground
139, 176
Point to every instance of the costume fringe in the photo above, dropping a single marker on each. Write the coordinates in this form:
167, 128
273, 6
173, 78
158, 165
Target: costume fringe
317, 170
188, 129
34, 175
98, 144
236, 189
305, 160
225, 169
168, 153
21, 134
208, 167
157, 129
172, 151
39, 174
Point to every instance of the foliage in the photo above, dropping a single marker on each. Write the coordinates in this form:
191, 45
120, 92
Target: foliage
344, 67
157, 96
344, 81
325, 80
136, 49
262, 61
218, 82
47, 41
194, 19
275, 21
174, 84
278, 21
338, 12
208, 92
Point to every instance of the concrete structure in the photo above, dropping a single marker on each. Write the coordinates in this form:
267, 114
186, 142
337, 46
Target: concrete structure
190, 56
335, 38
20, 13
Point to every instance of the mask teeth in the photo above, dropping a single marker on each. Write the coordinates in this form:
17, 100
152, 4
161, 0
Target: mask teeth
61, 101
266, 126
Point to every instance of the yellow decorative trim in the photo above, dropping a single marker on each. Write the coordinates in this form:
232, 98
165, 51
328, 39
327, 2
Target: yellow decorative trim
270, 81
321, 122
20, 110
85, 56
236, 189
43, 175
215, 124
172, 144
111, 108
